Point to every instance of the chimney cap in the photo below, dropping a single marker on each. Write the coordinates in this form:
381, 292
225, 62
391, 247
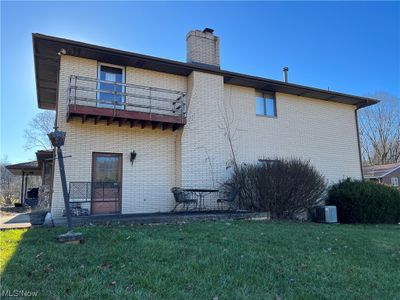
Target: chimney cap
209, 30
285, 69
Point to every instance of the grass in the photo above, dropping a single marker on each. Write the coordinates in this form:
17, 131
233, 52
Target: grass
207, 260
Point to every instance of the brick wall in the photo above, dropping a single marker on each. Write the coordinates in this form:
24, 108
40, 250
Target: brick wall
322, 131
198, 154
202, 47
203, 147
146, 184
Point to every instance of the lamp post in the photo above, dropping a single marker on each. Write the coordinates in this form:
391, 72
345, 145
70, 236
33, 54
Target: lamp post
57, 139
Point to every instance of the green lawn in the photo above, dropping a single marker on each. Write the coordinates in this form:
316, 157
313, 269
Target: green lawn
207, 260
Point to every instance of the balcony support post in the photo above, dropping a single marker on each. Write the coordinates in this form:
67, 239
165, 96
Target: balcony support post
150, 102
76, 85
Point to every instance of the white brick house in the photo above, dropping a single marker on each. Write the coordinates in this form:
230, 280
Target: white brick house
175, 117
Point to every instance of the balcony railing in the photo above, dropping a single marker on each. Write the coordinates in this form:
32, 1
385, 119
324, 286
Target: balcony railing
125, 101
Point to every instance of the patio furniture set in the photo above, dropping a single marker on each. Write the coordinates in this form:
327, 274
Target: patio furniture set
196, 198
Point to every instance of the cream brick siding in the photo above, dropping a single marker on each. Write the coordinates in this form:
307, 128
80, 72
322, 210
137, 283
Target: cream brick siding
198, 154
204, 148
145, 184
202, 47
156, 79
324, 132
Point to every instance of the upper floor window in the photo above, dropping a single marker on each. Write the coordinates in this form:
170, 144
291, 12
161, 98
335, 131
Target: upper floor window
265, 104
111, 77
395, 181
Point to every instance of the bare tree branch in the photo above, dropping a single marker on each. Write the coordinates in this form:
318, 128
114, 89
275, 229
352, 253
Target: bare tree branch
380, 131
9, 184
39, 127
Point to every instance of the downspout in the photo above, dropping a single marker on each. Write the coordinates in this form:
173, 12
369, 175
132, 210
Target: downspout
26, 185
22, 188
358, 142
53, 164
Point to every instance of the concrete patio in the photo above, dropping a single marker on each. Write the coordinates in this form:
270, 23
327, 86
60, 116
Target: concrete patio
10, 220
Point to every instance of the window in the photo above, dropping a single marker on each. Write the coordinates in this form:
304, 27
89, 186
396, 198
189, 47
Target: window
265, 104
112, 74
394, 181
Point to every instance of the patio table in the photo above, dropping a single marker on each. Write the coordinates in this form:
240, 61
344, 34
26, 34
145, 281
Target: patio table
202, 193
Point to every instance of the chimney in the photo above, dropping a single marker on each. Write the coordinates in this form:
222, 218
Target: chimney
202, 47
285, 73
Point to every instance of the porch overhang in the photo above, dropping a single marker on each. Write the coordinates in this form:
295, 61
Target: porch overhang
31, 167
28, 168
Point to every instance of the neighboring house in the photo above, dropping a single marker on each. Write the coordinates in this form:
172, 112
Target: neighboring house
139, 125
42, 167
388, 174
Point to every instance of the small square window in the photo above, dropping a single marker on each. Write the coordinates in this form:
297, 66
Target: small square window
394, 181
265, 104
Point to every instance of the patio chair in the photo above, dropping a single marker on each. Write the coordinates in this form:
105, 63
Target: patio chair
183, 197
229, 197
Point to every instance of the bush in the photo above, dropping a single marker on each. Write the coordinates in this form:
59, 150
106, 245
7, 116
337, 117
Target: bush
365, 202
283, 187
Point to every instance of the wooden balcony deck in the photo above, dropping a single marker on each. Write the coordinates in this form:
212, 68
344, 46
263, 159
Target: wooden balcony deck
121, 117
125, 104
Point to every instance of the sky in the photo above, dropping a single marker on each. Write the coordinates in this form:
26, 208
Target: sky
349, 47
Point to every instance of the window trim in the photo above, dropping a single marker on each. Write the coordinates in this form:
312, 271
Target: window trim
123, 68
265, 104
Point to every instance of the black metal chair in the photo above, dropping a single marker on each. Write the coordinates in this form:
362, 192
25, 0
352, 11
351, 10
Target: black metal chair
229, 197
183, 197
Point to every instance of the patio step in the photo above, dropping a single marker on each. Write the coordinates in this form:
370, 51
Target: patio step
160, 218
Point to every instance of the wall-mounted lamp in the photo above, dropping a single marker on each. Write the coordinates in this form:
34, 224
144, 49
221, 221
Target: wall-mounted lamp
62, 52
133, 156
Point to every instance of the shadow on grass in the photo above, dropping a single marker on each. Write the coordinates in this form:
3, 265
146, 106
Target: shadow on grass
238, 259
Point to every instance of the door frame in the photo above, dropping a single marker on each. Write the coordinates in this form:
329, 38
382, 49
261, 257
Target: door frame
123, 68
120, 155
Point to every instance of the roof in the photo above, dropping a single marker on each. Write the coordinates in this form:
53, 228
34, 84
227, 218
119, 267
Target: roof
43, 155
31, 167
380, 171
47, 61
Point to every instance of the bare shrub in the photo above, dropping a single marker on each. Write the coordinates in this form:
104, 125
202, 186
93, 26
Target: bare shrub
283, 187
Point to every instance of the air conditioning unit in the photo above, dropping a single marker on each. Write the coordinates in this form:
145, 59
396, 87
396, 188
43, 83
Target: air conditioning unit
323, 214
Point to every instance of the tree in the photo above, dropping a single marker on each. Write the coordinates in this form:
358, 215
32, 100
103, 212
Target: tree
380, 131
9, 184
39, 127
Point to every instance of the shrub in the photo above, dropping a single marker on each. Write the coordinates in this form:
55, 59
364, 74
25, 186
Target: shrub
283, 187
365, 202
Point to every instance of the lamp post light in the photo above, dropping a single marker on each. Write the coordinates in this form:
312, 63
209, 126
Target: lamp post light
57, 139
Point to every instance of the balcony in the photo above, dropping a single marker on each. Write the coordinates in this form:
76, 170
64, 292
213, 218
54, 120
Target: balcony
123, 103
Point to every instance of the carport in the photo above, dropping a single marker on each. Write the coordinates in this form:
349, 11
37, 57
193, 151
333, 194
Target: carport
41, 167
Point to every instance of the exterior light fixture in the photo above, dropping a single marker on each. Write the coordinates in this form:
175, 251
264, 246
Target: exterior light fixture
62, 52
133, 156
57, 138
